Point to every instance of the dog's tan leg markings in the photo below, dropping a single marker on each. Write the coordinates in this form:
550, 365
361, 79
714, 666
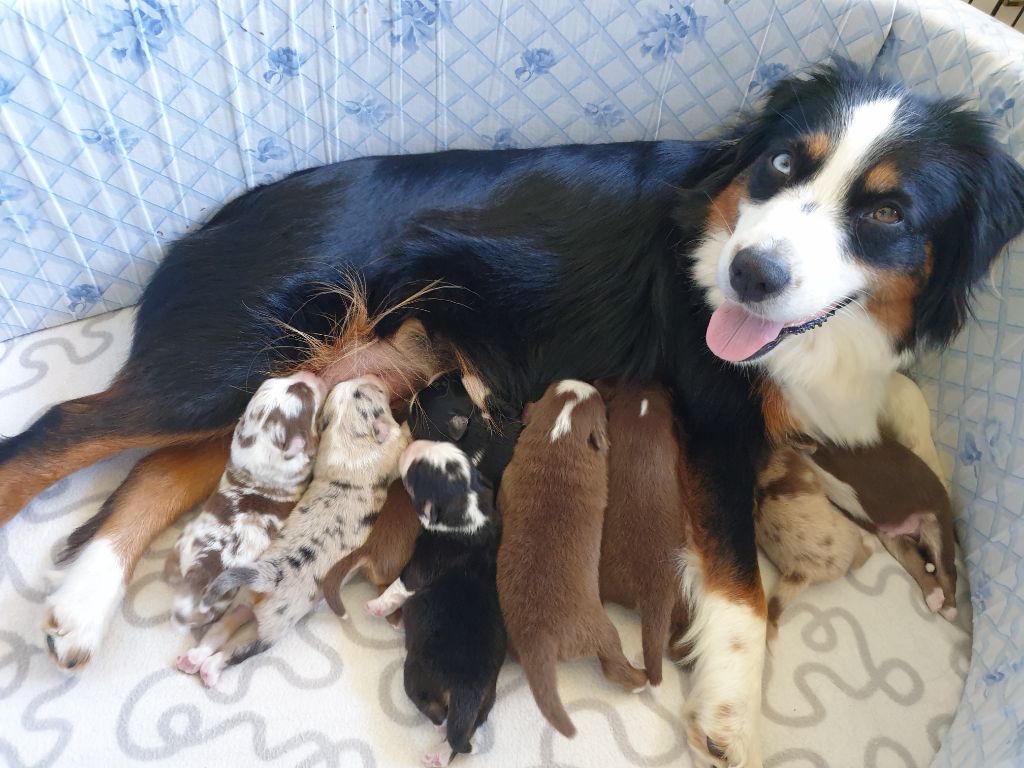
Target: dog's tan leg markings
158, 490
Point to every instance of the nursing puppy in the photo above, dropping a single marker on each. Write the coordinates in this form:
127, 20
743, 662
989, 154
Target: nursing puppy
272, 452
644, 525
383, 555
360, 443
552, 502
891, 491
799, 530
445, 411
454, 635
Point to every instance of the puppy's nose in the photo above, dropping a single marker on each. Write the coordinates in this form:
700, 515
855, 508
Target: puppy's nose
758, 273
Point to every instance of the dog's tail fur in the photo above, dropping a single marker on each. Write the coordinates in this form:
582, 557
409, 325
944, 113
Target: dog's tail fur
257, 577
339, 574
463, 712
539, 664
655, 618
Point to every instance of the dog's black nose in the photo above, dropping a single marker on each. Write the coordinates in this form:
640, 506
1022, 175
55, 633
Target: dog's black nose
757, 274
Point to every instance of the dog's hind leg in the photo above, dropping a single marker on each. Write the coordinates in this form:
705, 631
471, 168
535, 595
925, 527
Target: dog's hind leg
158, 490
614, 664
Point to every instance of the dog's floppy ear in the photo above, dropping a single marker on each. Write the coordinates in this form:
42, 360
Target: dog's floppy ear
990, 215
598, 438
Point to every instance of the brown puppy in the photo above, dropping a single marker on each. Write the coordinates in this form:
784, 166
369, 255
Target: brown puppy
552, 499
384, 553
799, 530
644, 525
891, 491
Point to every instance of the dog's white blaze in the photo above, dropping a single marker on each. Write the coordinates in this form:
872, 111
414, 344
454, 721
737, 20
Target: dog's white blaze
727, 642
643, 407
90, 591
865, 126
580, 391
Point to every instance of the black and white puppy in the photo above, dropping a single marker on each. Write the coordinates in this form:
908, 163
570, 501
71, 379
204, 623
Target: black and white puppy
454, 634
445, 412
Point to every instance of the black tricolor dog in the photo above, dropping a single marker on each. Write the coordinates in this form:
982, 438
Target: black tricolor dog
444, 412
771, 280
454, 634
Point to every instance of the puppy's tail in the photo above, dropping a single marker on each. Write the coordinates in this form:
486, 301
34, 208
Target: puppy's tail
243, 576
463, 712
339, 574
539, 665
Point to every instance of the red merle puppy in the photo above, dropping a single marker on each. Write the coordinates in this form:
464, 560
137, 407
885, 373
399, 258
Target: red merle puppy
772, 280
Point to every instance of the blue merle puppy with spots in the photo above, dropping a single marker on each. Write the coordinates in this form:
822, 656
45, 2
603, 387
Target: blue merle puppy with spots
454, 634
360, 445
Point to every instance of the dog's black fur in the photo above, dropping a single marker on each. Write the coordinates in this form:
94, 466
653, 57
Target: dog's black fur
454, 634
444, 411
563, 262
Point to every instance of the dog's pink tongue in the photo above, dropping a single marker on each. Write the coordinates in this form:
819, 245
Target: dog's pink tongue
734, 334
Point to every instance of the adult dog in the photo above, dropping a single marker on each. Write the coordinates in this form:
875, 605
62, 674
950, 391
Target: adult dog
813, 249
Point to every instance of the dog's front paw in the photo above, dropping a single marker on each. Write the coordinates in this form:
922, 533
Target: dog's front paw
211, 668
382, 606
191, 661
439, 757
719, 741
80, 609
723, 710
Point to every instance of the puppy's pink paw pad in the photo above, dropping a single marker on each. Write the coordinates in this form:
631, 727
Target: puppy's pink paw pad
185, 664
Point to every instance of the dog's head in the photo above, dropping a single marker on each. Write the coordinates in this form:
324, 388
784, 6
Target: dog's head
444, 411
852, 197
571, 412
357, 429
276, 439
447, 491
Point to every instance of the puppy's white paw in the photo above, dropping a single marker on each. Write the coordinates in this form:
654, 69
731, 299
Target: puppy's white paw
439, 757
934, 599
190, 661
382, 606
210, 669
80, 609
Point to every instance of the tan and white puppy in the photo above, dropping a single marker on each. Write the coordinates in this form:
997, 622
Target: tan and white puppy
360, 443
271, 463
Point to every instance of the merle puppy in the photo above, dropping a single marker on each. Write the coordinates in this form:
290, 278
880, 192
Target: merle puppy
454, 634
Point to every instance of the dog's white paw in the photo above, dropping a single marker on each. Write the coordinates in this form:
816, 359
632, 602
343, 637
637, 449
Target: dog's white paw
190, 661
439, 757
723, 710
80, 609
211, 668
382, 606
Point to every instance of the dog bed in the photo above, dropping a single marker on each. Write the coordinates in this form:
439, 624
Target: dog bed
125, 125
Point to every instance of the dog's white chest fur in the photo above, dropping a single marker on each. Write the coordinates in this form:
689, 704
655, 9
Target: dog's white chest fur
834, 378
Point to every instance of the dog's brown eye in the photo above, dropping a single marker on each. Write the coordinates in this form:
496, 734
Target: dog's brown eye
887, 214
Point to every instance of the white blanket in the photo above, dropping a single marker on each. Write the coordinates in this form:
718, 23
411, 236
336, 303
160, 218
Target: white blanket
861, 674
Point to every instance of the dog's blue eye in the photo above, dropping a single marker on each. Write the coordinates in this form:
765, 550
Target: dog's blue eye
783, 163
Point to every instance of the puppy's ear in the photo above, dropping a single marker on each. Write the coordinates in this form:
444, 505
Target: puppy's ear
458, 423
382, 428
527, 413
598, 439
295, 446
